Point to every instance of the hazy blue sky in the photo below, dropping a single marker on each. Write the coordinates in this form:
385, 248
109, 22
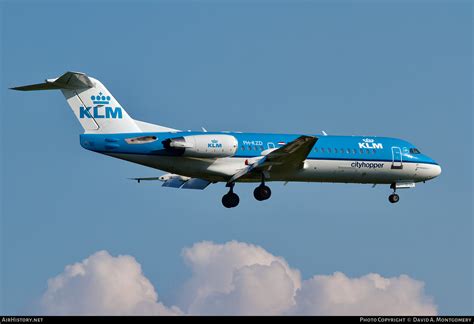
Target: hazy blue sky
401, 69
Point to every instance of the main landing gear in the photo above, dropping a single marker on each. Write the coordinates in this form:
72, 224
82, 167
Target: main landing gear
230, 199
393, 198
262, 192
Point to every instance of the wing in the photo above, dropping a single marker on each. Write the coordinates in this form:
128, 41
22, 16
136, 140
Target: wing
289, 156
178, 181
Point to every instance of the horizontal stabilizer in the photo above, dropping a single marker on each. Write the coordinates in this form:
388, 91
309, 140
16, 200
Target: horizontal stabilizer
69, 80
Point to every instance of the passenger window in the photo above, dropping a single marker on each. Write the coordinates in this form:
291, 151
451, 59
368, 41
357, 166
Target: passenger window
342, 151
243, 148
329, 150
335, 150
322, 149
348, 151
374, 150
354, 151
361, 151
368, 151
316, 149
249, 147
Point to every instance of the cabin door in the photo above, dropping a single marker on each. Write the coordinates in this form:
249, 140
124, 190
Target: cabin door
397, 160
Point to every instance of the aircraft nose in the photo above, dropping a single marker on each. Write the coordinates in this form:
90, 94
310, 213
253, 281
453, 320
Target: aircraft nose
435, 170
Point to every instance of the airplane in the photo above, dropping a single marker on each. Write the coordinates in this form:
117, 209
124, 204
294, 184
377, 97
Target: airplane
195, 159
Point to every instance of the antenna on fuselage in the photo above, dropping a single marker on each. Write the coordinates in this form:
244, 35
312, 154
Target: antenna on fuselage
203, 129
324, 133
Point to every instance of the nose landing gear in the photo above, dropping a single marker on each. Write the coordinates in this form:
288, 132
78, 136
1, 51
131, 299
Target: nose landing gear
230, 199
393, 198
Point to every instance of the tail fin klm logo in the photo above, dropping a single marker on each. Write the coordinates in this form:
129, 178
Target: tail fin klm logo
100, 99
100, 110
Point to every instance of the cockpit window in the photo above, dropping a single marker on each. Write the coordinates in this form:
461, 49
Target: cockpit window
414, 151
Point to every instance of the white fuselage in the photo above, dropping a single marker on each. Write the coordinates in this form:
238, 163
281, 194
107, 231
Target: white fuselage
342, 171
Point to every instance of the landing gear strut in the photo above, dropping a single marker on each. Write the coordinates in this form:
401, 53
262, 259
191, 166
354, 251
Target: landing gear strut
393, 198
230, 199
262, 192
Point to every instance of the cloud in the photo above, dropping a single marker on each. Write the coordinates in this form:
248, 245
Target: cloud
371, 294
231, 278
237, 278
103, 285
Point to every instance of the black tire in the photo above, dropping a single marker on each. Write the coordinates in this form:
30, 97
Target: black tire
262, 193
393, 198
230, 200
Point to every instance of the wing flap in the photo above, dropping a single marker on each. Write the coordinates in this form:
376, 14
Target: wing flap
248, 169
196, 183
173, 183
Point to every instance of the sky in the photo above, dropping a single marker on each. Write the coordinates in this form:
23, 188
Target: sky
78, 237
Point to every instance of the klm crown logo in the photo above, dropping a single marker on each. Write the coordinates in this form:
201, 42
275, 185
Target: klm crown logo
100, 99
369, 143
100, 110
214, 144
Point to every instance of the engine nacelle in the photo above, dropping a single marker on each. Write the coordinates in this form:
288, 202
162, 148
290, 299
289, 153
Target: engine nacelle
211, 146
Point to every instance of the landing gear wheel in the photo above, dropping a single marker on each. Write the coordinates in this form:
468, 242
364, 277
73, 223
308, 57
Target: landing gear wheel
230, 200
393, 198
262, 192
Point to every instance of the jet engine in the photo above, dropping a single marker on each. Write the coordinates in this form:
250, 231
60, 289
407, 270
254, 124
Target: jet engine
207, 146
